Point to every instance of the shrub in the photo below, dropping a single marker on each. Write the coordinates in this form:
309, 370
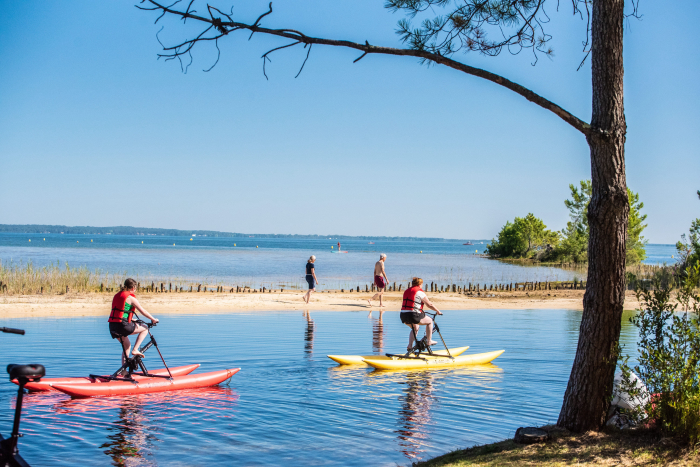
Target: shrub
669, 355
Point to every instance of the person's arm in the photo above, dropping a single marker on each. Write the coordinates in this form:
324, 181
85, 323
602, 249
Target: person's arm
384, 273
313, 272
135, 303
430, 305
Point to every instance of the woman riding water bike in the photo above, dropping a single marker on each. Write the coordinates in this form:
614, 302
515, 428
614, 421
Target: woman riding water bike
412, 314
121, 325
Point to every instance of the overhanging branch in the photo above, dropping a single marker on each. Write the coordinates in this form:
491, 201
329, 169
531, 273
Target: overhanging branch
224, 27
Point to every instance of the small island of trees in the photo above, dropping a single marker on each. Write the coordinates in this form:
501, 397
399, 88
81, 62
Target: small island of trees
528, 237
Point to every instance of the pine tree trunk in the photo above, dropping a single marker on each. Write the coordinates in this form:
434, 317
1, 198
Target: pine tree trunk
587, 396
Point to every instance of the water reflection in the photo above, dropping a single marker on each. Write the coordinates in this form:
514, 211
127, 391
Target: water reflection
128, 437
415, 412
378, 333
309, 334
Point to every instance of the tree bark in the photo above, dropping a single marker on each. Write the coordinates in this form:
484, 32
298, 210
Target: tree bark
587, 396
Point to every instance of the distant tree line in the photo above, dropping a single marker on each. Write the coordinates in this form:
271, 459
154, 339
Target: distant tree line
125, 230
528, 237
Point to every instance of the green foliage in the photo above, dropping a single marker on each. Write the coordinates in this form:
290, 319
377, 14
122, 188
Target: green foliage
526, 236
689, 247
574, 246
636, 251
669, 357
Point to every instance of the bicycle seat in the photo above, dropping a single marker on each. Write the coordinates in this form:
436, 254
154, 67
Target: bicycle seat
30, 372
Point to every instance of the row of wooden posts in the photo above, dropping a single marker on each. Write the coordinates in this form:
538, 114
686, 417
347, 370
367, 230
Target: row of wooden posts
435, 288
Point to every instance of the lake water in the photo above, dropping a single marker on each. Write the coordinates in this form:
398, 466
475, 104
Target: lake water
276, 262
289, 404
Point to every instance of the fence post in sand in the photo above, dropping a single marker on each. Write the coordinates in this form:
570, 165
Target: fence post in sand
263, 291
199, 288
366, 288
42, 290
67, 289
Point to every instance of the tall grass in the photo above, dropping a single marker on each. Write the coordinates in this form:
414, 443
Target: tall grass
28, 279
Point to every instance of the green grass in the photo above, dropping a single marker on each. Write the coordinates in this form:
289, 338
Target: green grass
611, 447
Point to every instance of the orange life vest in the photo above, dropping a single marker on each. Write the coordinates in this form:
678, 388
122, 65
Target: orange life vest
409, 303
120, 313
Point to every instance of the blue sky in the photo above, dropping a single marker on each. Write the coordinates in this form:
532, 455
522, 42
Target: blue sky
95, 131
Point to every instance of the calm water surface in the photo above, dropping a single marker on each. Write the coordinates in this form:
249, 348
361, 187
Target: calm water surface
275, 262
289, 404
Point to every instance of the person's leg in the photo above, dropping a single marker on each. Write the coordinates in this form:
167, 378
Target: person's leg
381, 293
428, 323
142, 332
126, 345
411, 335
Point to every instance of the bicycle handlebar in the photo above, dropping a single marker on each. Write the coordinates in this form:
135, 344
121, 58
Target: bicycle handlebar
12, 330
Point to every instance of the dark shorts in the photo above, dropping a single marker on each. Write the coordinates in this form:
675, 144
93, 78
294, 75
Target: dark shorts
117, 330
310, 280
409, 317
379, 282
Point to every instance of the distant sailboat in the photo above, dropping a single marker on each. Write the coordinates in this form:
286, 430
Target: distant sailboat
468, 243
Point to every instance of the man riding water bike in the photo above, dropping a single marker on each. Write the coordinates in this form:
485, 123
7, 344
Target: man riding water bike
121, 325
412, 314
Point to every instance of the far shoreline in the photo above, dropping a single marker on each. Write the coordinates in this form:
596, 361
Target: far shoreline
97, 304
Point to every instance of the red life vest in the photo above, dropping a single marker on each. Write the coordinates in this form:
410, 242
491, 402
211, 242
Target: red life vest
119, 314
409, 303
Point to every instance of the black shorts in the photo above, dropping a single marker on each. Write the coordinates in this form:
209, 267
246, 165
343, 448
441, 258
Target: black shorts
122, 329
410, 317
310, 280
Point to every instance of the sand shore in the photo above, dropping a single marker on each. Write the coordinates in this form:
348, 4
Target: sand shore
96, 304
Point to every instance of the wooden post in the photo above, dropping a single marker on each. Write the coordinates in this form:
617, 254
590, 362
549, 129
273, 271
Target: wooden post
67, 289
199, 288
263, 289
42, 290
102, 286
366, 288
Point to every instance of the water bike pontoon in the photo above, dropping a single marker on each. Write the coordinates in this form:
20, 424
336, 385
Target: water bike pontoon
360, 359
422, 356
134, 378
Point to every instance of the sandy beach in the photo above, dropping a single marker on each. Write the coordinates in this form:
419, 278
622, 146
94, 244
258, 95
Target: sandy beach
95, 304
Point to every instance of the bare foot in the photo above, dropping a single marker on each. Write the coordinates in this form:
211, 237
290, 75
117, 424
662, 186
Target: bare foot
136, 353
382, 306
370, 302
432, 343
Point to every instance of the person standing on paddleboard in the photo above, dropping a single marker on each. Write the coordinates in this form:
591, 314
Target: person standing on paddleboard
412, 314
380, 280
121, 325
310, 278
